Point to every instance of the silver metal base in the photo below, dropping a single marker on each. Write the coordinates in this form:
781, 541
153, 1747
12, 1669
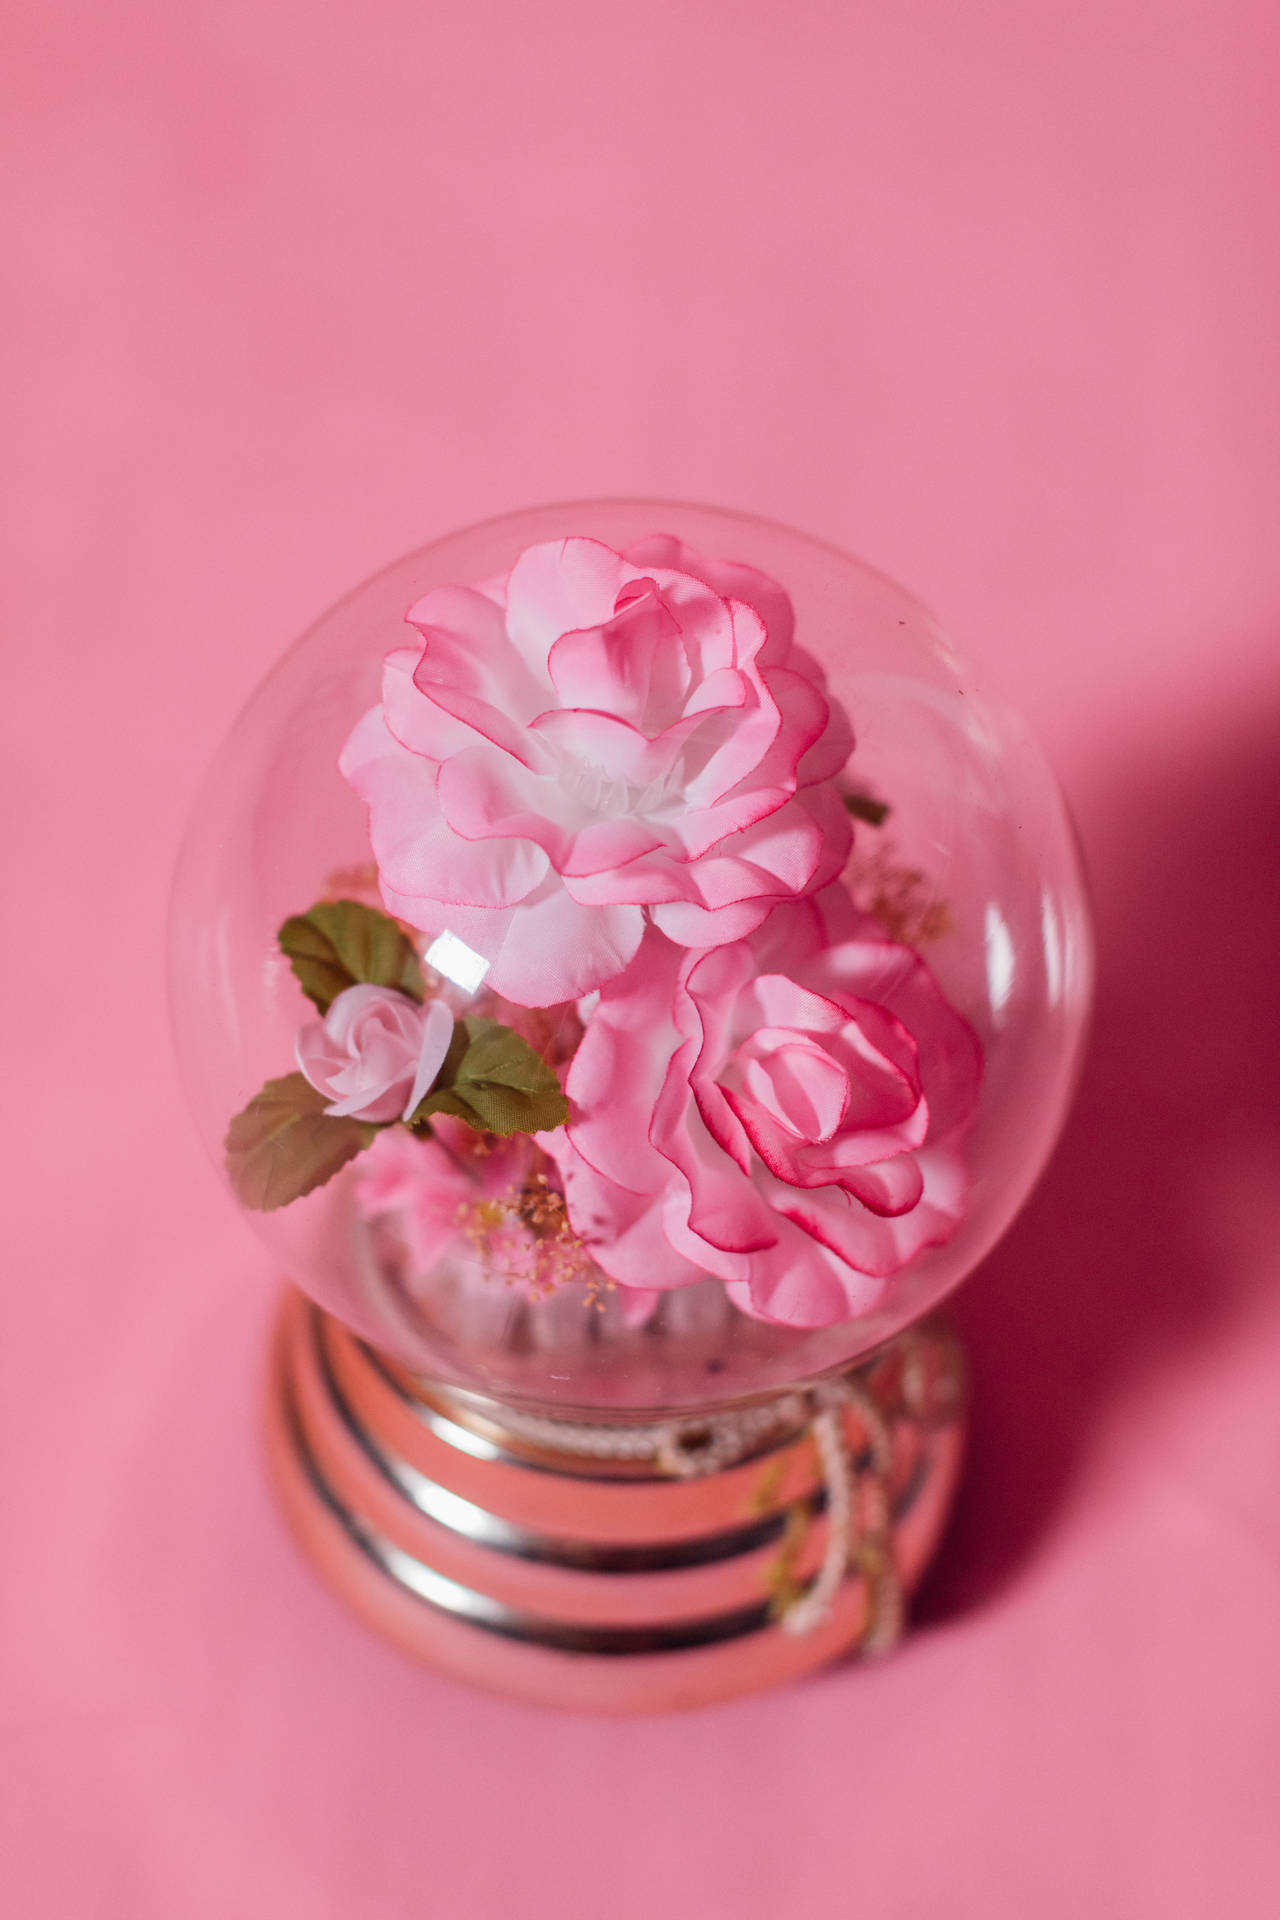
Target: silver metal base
598, 1569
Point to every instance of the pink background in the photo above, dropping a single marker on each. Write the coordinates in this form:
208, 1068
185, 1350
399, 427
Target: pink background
985, 292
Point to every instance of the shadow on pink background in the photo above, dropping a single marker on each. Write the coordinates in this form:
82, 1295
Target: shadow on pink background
1125, 1273
988, 294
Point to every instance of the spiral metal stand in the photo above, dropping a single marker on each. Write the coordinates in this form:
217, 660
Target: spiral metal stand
617, 1568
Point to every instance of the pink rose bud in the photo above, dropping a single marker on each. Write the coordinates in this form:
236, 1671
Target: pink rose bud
376, 1052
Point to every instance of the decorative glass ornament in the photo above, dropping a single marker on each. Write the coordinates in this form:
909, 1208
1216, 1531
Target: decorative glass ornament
643, 998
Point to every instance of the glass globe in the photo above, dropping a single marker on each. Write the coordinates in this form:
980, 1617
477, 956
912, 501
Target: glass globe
800, 1110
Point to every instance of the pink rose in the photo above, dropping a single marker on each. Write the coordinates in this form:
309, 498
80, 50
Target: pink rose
595, 739
782, 1112
376, 1052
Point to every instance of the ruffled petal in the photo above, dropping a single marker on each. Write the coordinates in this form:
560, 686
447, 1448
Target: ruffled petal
419, 855
465, 645
802, 1285
554, 950
890, 1187
490, 796
559, 587
690, 925
417, 724
732, 580
633, 665
623, 1230
724, 1209
894, 978
618, 1070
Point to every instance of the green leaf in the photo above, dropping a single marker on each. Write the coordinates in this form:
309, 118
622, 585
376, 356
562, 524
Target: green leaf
864, 807
283, 1144
340, 943
494, 1080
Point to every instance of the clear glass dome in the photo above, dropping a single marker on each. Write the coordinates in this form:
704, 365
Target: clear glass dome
815, 1001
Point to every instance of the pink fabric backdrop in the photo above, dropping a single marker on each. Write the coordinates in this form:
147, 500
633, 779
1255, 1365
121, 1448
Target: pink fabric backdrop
985, 292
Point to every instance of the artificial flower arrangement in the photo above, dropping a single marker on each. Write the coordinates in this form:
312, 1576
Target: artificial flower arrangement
610, 999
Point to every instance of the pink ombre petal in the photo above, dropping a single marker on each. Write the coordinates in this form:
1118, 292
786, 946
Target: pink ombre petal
558, 587
868, 1242
789, 938
483, 721
827, 1163
697, 830
946, 1187
785, 847
690, 925
830, 818
731, 580
648, 881
554, 949
722, 1123
703, 615
750, 637
879, 1043
442, 867
802, 1285
830, 752
704, 1010
377, 1106
369, 744
796, 1080
775, 1146
487, 796
415, 723
711, 982
950, 1054
778, 1001
889, 1187
618, 1070
738, 750
466, 616
437, 1033
724, 881
803, 717
728, 692
642, 1257
724, 1209
736, 871
419, 856
881, 1093
622, 1230
633, 665
606, 847
690, 1246
465, 645
598, 742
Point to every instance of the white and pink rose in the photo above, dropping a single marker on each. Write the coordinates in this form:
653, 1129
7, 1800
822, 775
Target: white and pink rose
597, 743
